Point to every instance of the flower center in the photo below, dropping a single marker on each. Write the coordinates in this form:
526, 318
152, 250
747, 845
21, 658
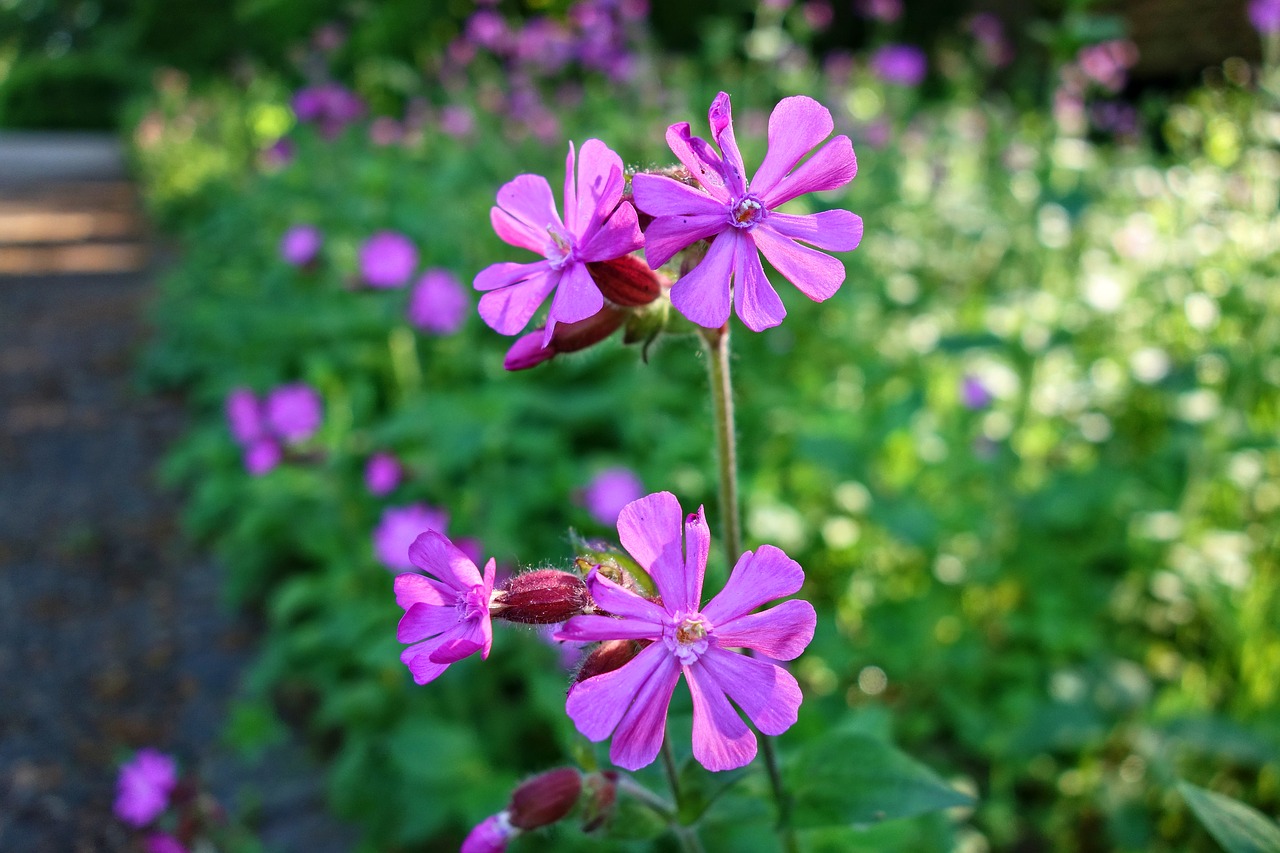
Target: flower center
559, 248
686, 636
746, 212
473, 604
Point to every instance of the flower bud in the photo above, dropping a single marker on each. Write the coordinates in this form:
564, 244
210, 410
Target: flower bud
545, 798
529, 352
542, 597
608, 656
626, 280
600, 795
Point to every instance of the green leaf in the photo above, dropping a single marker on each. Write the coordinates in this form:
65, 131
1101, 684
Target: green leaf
851, 778
1239, 828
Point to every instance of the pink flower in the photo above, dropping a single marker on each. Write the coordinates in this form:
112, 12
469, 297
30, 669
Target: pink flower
439, 303
163, 842
741, 215
490, 835
900, 64
631, 702
300, 245
399, 527
1265, 16
244, 416
598, 226
387, 259
886, 11
446, 608
262, 456
382, 474
610, 491
294, 412
144, 786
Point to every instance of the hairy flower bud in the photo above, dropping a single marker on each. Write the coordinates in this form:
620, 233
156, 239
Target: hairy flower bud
626, 280
529, 352
608, 656
542, 597
545, 798
599, 795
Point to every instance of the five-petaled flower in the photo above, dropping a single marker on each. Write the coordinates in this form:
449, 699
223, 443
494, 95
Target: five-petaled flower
597, 226
743, 217
631, 702
446, 608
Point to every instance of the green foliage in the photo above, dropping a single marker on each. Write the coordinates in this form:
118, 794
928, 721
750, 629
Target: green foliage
1236, 826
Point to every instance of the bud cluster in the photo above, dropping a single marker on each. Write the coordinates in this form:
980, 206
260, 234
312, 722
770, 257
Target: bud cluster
543, 800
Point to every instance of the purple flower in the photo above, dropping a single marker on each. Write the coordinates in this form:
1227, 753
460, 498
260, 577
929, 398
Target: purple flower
382, 474
885, 11
144, 786
597, 226
1107, 63
399, 527
244, 415
439, 303
446, 608
1265, 16
262, 456
457, 120
163, 842
900, 64
741, 214
631, 702
300, 245
294, 412
490, 835
973, 394
610, 491
329, 106
387, 259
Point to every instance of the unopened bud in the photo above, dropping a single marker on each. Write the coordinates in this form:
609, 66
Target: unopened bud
626, 280
599, 796
542, 597
545, 798
529, 352
608, 656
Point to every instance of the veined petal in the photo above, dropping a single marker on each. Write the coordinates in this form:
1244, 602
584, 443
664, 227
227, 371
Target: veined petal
703, 294
618, 236
577, 298
434, 553
765, 692
598, 704
797, 125
600, 184
595, 629
506, 274
426, 620
760, 576
570, 190
697, 546
833, 230
422, 658
667, 235
721, 741
413, 588
517, 232
528, 199
658, 195
757, 303
466, 640
615, 599
508, 309
650, 530
699, 158
781, 632
832, 166
639, 735
720, 117
817, 275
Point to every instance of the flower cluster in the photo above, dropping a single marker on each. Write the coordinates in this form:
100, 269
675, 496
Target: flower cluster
288, 416
331, 107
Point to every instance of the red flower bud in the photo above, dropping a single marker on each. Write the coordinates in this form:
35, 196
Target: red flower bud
542, 597
528, 351
608, 656
545, 798
626, 280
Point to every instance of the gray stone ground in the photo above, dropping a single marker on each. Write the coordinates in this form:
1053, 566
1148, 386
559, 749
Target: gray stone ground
112, 634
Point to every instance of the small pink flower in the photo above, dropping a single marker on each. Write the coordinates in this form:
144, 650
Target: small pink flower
609, 491
490, 835
245, 416
387, 259
743, 218
163, 842
439, 303
300, 245
885, 11
1265, 16
688, 637
446, 607
294, 412
597, 226
399, 527
144, 786
382, 474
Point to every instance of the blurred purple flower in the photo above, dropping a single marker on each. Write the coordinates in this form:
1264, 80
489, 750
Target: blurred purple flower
609, 491
457, 120
900, 64
818, 14
244, 415
1265, 16
973, 394
387, 259
262, 456
301, 244
382, 473
439, 303
488, 29
144, 786
988, 31
162, 842
278, 154
1107, 63
329, 106
294, 412
399, 527
384, 130
490, 835
885, 11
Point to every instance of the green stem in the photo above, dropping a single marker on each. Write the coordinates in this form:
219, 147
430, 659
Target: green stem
718, 353
686, 835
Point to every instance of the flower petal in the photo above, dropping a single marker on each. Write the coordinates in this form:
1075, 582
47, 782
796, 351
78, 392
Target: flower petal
757, 303
594, 629
703, 294
760, 576
797, 125
528, 199
658, 195
509, 309
720, 117
598, 704
697, 545
817, 276
600, 183
516, 232
577, 298
721, 741
506, 274
434, 553
620, 235
699, 158
570, 190
619, 601
832, 166
833, 230
765, 692
667, 235
426, 620
422, 658
639, 735
467, 641
650, 530
413, 588
781, 632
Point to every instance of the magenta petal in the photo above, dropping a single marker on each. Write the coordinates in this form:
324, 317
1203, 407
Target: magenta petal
833, 230
600, 184
703, 295
594, 629
570, 191
434, 553
782, 632
516, 232
506, 274
757, 303
832, 166
699, 158
650, 530
720, 117
816, 275
721, 741
419, 657
765, 692
658, 195
618, 601
620, 235
413, 588
577, 298
639, 735
456, 649
426, 620
667, 235
598, 704
509, 309
528, 199
760, 576
697, 545
797, 125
